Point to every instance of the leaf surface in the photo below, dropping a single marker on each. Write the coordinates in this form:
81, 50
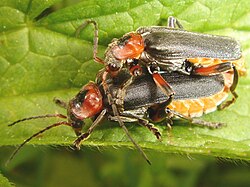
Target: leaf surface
41, 59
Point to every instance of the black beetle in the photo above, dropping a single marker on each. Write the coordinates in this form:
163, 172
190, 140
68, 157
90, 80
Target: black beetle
143, 103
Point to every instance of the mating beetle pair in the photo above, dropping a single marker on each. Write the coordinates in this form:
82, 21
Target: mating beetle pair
144, 103
169, 49
171, 64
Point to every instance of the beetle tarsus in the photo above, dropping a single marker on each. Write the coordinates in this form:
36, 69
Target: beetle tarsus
229, 102
86, 135
174, 23
150, 127
82, 137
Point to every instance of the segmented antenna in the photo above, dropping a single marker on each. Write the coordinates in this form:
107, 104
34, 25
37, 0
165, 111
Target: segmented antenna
116, 114
37, 117
95, 40
114, 108
38, 133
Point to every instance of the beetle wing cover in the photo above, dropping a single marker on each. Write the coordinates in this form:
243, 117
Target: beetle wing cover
144, 92
170, 44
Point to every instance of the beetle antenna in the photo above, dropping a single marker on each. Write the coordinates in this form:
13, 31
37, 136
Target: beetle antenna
37, 117
116, 114
35, 135
95, 40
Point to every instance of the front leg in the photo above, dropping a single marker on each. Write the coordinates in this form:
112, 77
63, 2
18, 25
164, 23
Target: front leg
153, 69
116, 114
84, 136
135, 70
121, 93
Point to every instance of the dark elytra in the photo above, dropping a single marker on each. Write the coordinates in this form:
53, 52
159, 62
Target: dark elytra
144, 92
171, 44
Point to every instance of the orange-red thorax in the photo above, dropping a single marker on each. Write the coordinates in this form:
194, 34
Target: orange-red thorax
92, 103
131, 47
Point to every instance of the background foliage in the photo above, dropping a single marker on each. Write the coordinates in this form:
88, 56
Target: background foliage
40, 58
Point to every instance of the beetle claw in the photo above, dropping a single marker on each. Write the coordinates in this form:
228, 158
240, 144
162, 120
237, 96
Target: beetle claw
76, 146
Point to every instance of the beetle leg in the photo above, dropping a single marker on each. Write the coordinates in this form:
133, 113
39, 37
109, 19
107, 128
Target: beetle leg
169, 122
157, 112
103, 75
212, 70
109, 96
86, 135
117, 115
195, 121
150, 127
160, 81
145, 123
232, 90
95, 47
121, 92
163, 85
174, 23
135, 70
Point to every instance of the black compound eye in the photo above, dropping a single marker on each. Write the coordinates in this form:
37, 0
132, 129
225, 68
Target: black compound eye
188, 67
122, 41
113, 67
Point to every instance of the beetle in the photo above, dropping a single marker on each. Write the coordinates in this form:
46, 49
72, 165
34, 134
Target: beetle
195, 94
144, 103
168, 48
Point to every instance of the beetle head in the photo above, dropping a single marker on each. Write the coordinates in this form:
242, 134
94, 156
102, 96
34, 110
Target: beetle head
86, 104
130, 46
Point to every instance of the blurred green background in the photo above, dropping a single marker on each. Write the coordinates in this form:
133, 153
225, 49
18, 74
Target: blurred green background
58, 166
49, 166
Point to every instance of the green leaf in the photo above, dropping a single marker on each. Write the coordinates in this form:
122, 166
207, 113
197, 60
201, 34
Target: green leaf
4, 182
41, 59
